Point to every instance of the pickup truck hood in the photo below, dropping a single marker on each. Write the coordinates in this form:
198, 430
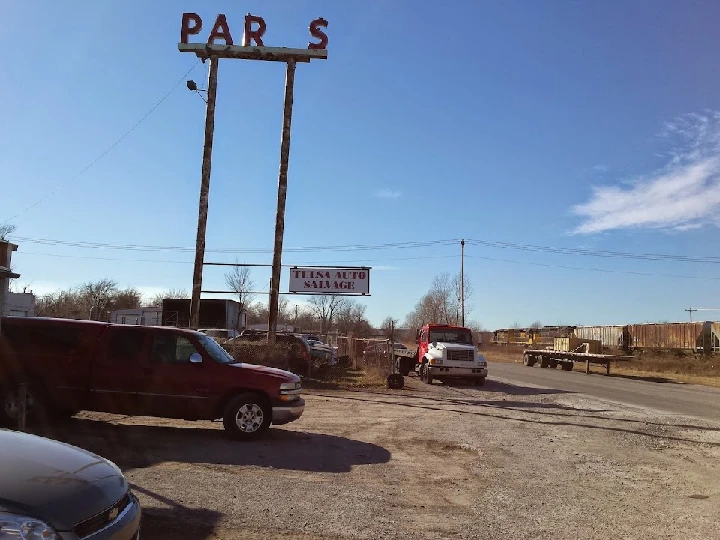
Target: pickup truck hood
55, 482
280, 374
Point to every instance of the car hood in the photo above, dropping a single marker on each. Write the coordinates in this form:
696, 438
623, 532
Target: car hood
55, 482
277, 373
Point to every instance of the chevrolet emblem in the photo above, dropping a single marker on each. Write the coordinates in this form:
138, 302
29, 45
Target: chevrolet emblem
113, 514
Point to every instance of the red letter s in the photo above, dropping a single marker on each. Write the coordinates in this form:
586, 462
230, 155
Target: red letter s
318, 34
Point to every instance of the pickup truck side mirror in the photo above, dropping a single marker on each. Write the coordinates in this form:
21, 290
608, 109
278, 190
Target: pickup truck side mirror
196, 358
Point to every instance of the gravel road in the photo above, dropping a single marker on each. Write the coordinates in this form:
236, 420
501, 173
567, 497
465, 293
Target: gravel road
504, 461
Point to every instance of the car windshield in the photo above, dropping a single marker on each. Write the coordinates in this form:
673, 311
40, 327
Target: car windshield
215, 351
451, 336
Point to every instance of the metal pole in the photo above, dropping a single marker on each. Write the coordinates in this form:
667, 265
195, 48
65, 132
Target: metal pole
204, 190
282, 194
462, 281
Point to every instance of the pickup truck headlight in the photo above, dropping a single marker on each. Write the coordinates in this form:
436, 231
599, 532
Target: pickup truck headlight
17, 527
288, 392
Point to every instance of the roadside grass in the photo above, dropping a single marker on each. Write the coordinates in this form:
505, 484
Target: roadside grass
340, 377
678, 366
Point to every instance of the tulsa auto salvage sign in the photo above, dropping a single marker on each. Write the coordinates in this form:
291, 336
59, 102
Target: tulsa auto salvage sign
345, 281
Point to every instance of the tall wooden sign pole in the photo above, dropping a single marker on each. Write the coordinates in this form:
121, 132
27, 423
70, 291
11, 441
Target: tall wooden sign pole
204, 192
253, 31
282, 195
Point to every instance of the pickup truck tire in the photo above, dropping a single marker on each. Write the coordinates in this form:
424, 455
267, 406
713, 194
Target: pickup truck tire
247, 416
9, 406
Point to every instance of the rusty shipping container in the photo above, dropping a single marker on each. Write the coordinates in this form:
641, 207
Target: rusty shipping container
690, 336
612, 336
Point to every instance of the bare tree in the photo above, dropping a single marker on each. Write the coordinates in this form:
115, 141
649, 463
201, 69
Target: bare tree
388, 326
239, 281
6, 229
441, 304
156, 301
325, 308
536, 325
350, 319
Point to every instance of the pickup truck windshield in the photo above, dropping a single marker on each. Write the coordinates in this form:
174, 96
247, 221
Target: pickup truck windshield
451, 336
217, 353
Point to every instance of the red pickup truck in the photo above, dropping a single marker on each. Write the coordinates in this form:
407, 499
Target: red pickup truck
70, 366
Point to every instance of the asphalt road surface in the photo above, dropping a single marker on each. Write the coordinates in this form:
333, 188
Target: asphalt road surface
660, 394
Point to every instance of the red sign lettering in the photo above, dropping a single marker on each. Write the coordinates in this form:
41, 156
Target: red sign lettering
186, 29
256, 35
220, 30
255, 28
318, 34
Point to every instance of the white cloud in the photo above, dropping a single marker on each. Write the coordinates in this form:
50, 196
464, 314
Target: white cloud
683, 195
387, 194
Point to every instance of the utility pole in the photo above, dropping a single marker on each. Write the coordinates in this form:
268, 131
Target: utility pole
204, 191
691, 312
282, 194
462, 282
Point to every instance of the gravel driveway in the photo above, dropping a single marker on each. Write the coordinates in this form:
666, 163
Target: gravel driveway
502, 461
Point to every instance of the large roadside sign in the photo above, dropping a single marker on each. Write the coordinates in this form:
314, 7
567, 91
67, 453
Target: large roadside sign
347, 281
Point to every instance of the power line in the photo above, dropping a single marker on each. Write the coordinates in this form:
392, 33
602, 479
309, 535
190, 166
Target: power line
596, 253
109, 149
308, 249
603, 270
654, 257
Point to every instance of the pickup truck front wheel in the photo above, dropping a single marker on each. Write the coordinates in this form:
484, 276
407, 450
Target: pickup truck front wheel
247, 416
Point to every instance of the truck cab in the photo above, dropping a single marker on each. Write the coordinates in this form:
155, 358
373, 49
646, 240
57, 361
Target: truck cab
447, 352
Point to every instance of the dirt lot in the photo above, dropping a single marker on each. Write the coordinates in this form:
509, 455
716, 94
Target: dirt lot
501, 461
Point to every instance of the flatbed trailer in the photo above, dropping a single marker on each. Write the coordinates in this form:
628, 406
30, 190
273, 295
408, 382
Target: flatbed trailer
549, 358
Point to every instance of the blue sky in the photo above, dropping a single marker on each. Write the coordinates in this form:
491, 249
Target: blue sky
563, 124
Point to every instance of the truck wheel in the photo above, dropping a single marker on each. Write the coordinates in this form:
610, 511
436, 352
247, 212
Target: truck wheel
567, 366
553, 364
528, 360
426, 371
247, 416
544, 362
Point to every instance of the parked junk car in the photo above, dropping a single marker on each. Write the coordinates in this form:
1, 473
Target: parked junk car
300, 353
139, 370
219, 334
54, 491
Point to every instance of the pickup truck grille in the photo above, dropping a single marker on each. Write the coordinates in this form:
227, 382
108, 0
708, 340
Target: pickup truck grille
463, 355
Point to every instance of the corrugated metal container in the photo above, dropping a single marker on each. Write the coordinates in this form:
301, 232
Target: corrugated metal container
569, 344
715, 336
667, 336
609, 336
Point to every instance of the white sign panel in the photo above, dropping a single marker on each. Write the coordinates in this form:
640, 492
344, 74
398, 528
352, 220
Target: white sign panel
347, 281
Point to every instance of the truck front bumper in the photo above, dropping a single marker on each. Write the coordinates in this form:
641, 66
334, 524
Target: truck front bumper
442, 372
289, 413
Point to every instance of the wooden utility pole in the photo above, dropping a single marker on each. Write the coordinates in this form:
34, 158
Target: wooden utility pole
204, 191
282, 194
462, 282
691, 310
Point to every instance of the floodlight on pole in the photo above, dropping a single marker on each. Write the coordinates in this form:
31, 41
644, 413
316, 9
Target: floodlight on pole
193, 87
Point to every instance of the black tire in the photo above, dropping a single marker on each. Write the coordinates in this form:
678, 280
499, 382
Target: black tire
567, 366
426, 370
247, 416
9, 406
480, 381
395, 381
544, 362
553, 364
